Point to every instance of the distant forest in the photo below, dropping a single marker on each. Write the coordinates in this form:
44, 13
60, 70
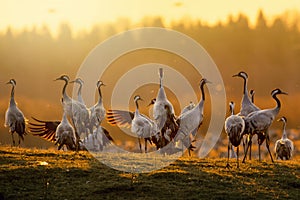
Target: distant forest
269, 52
269, 48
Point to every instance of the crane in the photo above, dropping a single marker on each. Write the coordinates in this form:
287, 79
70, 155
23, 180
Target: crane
260, 121
14, 118
284, 147
78, 112
234, 127
190, 121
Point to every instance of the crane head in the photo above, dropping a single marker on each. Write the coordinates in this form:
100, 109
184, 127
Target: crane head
137, 97
78, 80
241, 74
282, 119
277, 91
152, 102
12, 81
63, 77
100, 83
204, 81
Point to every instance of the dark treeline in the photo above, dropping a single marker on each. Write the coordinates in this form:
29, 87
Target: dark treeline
269, 52
232, 45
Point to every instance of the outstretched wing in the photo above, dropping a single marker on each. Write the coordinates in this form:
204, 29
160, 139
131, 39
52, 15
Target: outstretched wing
121, 118
108, 138
44, 129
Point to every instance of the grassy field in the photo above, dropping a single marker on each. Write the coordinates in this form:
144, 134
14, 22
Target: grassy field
52, 174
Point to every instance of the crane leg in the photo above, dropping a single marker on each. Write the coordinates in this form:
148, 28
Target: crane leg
140, 145
259, 157
228, 149
250, 150
19, 141
248, 144
244, 144
268, 145
145, 145
237, 156
13, 139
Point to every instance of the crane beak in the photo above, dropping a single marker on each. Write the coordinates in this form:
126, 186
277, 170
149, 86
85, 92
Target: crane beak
72, 82
284, 93
57, 79
235, 75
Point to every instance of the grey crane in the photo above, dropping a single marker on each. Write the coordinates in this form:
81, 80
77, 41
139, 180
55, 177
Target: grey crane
145, 127
260, 121
97, 111
141, 125
79, 94
14, 118
77, 111
190, 121
159, 111
65, 134
234, 127
284, 147
247, 105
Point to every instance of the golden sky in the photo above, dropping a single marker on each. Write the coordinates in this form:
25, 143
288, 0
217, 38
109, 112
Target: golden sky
83, 14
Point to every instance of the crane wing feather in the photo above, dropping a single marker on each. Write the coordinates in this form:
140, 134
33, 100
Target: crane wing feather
44, 129
119, 117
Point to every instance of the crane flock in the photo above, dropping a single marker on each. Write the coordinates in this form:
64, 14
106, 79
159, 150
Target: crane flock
81, 127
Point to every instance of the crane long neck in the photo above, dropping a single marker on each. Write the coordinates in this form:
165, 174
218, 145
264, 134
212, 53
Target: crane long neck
100, 94
232, 109
137, 107
245, 86
201, 102
284, 136
202, 91
12, 96
278, 106
252, 98
79, 90
64, 93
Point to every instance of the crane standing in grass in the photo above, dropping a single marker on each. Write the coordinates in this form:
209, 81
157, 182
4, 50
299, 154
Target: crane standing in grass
260, 121
141, 125
247, 106
234, 127
65, 134
284, 147
14, 118
77, 111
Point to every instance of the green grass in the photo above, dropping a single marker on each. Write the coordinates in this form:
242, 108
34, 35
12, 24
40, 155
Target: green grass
71, 175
